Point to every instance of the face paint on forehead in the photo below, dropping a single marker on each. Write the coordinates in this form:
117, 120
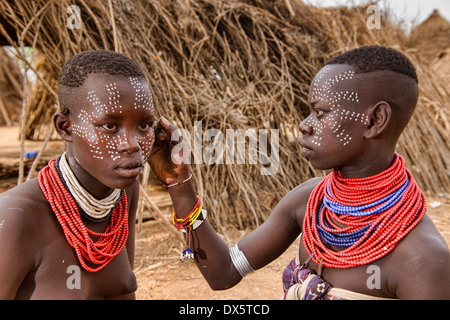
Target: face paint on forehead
113, 105
334, 98
142, 99
326, 92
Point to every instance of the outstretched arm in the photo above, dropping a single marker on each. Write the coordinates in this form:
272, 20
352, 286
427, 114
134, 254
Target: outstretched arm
211, 253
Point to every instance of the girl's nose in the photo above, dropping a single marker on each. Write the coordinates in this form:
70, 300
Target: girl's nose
128, 143
305, 127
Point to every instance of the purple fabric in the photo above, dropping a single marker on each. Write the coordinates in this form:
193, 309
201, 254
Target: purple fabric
317, 288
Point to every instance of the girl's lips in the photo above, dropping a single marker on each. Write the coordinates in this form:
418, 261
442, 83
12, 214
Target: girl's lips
129, 172
305, 151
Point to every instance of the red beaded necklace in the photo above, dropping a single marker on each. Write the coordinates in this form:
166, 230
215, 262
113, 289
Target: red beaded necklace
109, 243
376, 212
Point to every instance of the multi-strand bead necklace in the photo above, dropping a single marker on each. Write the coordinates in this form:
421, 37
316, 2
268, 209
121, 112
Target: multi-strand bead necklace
367, 216
96, 210
65, 205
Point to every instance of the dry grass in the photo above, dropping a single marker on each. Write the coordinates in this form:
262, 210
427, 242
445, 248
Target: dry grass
231, 64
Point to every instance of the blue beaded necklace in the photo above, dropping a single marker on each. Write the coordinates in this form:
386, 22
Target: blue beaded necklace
346, 239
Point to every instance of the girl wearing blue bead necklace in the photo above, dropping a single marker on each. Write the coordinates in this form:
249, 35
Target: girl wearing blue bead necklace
369, 213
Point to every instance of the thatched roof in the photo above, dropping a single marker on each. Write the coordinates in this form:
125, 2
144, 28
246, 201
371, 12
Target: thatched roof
431, 37
235, 65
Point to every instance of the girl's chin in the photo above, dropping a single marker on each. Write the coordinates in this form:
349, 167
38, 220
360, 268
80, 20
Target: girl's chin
319, 164
120, 182
126, 183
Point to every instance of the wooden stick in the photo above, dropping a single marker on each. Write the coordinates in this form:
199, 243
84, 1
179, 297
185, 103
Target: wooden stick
114, 29
5, 113
39, 155
23, 127
144, 183
160, 214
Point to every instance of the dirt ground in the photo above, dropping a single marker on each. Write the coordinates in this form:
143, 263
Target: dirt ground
160, 274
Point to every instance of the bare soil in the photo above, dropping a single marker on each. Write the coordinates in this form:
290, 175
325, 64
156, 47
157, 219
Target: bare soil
162, 276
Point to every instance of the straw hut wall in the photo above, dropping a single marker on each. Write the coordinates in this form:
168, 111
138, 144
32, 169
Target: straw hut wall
10, 89
234, 65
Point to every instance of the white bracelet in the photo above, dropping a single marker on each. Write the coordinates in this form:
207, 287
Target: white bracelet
240, 262
177, 183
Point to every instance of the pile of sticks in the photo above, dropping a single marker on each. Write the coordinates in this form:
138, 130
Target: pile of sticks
231, 65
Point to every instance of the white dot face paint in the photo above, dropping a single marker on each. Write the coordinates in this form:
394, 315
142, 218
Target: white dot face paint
141, 99
117, 119
330, 104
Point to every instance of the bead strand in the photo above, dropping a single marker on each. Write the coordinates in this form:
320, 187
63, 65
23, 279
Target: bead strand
377, 212
109, 243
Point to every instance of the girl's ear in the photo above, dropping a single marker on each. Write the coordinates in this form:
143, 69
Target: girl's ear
379, 118
62, 125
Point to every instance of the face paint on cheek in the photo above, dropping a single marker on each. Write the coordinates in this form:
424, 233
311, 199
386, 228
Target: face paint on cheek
318, 129
85, 130
112, 145
143, 99
146, 144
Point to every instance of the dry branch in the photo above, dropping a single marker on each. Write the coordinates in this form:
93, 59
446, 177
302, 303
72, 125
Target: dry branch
234, 65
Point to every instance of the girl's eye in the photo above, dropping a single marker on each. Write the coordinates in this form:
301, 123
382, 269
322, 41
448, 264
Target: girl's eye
319, 112
109, 126
144, 126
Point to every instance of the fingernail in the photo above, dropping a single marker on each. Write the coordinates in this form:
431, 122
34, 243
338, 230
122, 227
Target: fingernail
164, 121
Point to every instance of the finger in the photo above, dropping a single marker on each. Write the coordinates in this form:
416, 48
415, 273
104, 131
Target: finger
160, 134
171, 131
168, 127
179, 155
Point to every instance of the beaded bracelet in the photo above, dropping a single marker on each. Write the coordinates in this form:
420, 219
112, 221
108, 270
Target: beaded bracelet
192, 221
187, 221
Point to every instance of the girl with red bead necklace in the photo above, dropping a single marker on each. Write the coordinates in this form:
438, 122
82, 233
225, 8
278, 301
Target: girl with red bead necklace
69, 233
367, 214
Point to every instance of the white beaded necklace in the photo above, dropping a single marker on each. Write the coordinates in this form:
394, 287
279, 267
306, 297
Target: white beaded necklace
94, 208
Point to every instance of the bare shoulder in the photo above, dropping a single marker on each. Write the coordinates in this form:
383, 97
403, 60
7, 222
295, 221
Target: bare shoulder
21, 208
296, 200
422, 264
22, 221
302, 192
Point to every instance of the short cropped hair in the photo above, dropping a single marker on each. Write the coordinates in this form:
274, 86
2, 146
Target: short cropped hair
78, 68
376, 58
